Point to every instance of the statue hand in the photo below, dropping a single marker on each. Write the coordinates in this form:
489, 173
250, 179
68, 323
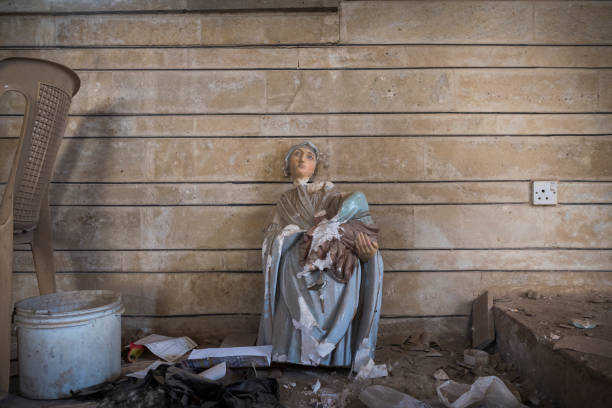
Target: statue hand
366, 248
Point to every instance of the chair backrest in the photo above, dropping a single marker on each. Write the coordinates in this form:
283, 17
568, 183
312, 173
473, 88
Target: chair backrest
48, 89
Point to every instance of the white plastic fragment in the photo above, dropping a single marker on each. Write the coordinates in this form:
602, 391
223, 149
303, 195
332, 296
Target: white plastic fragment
316, 386
379, 396
215, 373
440, 375
488, 392
371, 370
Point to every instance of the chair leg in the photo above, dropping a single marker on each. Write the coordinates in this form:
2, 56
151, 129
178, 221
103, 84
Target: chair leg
42, 250
6, 305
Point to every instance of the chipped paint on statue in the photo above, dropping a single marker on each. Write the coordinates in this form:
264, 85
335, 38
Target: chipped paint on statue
323, 272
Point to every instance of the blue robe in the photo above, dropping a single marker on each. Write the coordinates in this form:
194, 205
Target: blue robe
335, 325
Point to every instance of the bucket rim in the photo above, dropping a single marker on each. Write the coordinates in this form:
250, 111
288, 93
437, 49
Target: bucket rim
28, 316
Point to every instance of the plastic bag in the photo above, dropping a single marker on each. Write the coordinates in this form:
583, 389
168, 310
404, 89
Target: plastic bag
379, 396
489, 392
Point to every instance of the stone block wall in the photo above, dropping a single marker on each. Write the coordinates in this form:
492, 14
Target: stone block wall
441, 112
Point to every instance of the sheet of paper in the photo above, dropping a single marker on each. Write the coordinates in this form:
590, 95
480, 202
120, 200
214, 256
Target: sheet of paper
215, 373
260, 356
256, 351
167, 348
143, 373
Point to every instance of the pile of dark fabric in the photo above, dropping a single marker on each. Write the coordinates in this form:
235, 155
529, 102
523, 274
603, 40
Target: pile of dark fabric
175, 386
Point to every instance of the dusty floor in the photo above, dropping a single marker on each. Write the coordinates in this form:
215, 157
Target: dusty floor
412, 358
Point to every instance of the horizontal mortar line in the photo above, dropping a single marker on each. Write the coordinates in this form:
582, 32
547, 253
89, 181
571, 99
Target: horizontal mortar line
181, 11
380, 113
523, 67
273, 204
443, 316
259, 314
200, 272
515, 203
552, 248
163, 46
334, 181
257, 272
332, 44
450, 250
194, 315
334, 136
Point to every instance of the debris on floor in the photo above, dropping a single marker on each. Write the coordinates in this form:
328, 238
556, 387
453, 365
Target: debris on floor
379, 396
485, 391
257, 356
167, 348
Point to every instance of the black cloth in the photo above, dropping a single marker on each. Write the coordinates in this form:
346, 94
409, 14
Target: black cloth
175, 386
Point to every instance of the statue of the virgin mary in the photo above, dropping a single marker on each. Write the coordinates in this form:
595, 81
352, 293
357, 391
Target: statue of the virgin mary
323, 272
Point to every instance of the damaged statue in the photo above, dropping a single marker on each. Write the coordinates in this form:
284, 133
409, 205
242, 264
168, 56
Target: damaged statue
323, 272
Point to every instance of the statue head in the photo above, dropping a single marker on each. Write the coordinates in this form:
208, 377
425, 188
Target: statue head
301, 161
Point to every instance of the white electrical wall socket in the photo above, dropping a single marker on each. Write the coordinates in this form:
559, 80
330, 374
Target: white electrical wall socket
544, 193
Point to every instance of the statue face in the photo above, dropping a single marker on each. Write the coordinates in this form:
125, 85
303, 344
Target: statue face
302, 163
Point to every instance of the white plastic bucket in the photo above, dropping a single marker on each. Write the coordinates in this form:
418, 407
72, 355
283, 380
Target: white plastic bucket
68, 341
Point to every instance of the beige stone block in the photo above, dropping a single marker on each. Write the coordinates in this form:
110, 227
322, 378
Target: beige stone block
163, 58
576, 192
194, 227
584, 22
506, 158
435, 124
497, 260
95, 95
84, 6
397, 226
442, 192
542, 90
416, 124
457, 22
270, 28
96, 227
163, 293
131, 29
27, 31
512, 226
74, 6
552, 283
188, 261
451, 56
73, 261
161, 126
387, 193
225, 160
203, 329
360, 91
605, 91
12, 103
101, 160
7, 153
203, 227
187, 91
432, 260
196, 29
431, 293
146, 261
166, 194
548, 124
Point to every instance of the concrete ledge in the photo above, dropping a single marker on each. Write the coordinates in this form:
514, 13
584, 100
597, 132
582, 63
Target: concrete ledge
525, 332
